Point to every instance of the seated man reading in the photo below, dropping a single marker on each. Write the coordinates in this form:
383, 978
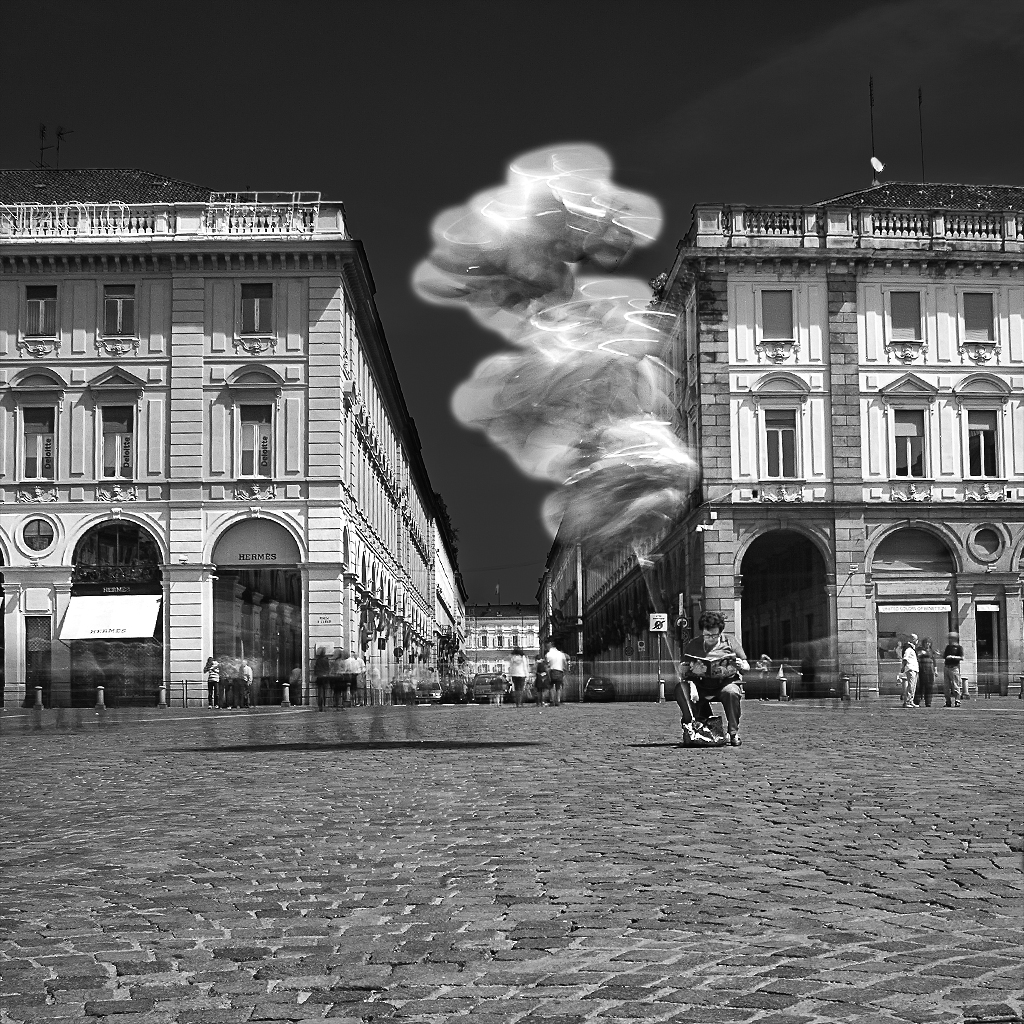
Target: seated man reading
711, 665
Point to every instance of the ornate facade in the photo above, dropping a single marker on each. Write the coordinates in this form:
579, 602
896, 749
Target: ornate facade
851, 378
197, 404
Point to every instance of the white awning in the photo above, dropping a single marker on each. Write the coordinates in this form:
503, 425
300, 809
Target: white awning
113, 617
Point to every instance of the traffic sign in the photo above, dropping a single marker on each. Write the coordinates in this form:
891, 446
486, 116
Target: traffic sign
659, 622
641, 645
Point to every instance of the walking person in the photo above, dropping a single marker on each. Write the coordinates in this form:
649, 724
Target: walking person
246, 677
706, 683
212, 670
518, 670
540, 680
321, 672
557, 662
910, 672
926, 673
952, 656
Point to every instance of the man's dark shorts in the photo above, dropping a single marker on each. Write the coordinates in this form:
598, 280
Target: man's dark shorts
556, 676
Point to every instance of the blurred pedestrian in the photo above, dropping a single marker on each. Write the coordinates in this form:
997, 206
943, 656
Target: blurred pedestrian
349, 671
246, 679
952, 657
518, 669
540, 680
909, 669
705, 683
339, 686
212, 670
926, 673
321, 674
557, 662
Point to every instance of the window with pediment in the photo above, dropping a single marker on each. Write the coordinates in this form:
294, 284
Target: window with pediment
982, 398
780, 399
909, 402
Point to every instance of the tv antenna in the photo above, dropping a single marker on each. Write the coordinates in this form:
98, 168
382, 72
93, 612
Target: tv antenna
61, 134
42, 147
876, 165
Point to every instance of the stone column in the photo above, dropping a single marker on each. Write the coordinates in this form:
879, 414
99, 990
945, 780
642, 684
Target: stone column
14, 645
1014, 634
60, 654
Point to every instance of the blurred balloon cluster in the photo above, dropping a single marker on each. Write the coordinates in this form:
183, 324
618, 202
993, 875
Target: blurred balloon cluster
584, 399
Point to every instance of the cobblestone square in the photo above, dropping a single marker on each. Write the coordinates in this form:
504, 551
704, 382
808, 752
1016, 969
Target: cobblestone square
849, 862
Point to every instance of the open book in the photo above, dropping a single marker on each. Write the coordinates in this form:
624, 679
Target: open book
716, 663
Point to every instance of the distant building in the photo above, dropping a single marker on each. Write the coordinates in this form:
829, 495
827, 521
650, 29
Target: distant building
851, 378
204, 447
493, 630
449, 604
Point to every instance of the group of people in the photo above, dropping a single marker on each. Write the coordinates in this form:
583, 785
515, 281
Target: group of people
228, 685
548, 672
338, 677
917, 672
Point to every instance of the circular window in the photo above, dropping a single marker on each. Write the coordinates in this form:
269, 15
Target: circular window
987, 542
38, 534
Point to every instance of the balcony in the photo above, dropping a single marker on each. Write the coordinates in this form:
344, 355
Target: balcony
837, 227
234, 215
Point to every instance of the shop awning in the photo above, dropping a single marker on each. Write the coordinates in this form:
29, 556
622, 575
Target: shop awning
111, 617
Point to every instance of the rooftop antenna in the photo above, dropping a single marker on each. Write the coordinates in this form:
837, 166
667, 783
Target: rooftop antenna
920, 128
61, 133
876, 165
42, 147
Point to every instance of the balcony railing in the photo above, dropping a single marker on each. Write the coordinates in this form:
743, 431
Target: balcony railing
244, 215
839, 227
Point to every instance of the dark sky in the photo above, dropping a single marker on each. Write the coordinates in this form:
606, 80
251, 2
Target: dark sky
401, 109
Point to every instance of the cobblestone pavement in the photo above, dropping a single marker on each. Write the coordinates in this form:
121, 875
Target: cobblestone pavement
848, 863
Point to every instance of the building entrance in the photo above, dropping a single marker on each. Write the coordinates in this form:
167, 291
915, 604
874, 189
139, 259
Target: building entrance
257, 614
114, 623
784, 607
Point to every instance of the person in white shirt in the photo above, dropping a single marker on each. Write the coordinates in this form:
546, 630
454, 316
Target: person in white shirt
518, 669
910, 670
557, 662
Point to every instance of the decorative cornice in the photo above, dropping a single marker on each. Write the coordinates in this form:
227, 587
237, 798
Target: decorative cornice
38, 494
910, 494
118, 492
782, 493
256, 346
985, 493
253, 491
117, 346
38, 347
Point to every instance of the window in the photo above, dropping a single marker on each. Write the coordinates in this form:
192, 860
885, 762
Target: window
982, 430
483, 639
905, 316
515, 639
257, 313
777, 315
38, 535
780, 443
501, 639
909, 431
118, 441
38, 424
257, 445
979, 324
119, 311
41, 311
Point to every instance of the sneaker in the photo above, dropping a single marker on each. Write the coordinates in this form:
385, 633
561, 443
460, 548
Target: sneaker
956, 703
734, 739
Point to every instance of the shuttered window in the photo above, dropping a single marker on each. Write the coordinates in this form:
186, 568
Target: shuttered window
777, 315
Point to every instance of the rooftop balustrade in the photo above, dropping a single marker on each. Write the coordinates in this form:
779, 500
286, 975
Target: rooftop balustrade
237, 215
838, 227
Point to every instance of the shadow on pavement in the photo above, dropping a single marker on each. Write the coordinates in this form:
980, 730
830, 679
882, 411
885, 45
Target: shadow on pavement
363, 745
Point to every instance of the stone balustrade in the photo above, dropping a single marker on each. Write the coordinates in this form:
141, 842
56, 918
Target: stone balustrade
839, 227
216, 219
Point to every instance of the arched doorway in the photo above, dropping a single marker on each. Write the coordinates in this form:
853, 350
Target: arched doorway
257, 610
114, 622
784, 607
913, 571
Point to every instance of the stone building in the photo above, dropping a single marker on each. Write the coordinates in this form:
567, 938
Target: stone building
204, 446
493, 630
851, 378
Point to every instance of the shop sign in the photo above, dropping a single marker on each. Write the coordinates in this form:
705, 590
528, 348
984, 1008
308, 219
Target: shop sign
987, 607
258, 542
895, 609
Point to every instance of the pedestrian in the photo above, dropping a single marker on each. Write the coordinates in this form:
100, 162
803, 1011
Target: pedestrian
910, 670
349, 672
540, 680
557, 662
212, 670
228, 683
359, 672
321, 674
246, 675
518, 669
926, 673
952, 656
339, 688
706, 683
295, 686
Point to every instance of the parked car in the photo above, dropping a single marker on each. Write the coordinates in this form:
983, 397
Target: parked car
598, 688
487, 687
428, 691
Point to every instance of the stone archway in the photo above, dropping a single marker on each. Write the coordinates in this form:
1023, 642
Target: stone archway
784, 606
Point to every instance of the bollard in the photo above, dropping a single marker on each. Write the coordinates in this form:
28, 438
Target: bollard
845, 680
161, 701
39, 697
661, 691
99, 697
782, 685
285, 688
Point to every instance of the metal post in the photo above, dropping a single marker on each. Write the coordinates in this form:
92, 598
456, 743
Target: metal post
845, 680
661, 681
39, 697
161, 701
99, 697
782, 685
285, 702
